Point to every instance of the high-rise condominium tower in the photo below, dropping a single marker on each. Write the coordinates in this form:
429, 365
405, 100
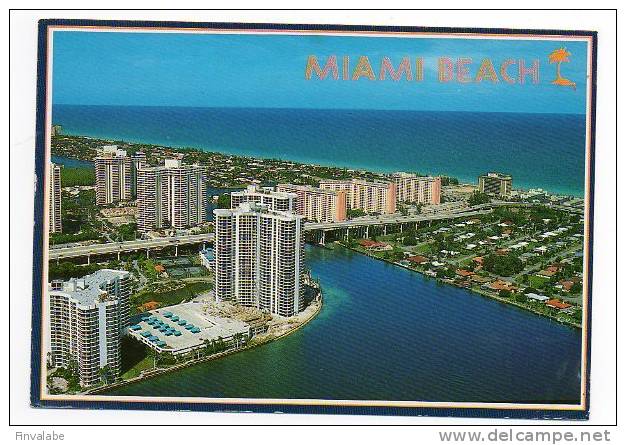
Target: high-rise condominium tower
172, 195
275, 200
259, 258
55, 199
114, 172
87, 319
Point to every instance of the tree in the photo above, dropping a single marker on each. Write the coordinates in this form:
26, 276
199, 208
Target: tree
505, 293
223, 201
504, 265
104, 373
409, 240
520, 298
576, 288
355, 213
478, 198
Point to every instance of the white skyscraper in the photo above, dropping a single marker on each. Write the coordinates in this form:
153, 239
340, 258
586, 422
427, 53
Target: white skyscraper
172, 195
275, 200
113, 175
259, 258
87, 319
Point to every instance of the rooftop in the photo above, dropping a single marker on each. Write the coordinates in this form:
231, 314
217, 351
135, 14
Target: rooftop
88, 289
188, 324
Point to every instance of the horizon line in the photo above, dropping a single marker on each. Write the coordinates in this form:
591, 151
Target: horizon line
316, 108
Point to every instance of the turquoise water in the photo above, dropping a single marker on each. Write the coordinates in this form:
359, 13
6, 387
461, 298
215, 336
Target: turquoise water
386, 333
539, 150
71, 162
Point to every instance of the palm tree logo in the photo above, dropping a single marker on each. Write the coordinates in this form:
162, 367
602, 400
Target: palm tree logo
559, 56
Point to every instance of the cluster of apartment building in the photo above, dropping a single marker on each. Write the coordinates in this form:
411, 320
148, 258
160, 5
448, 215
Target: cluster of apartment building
369, 196
259, 252
172, 195
87, 319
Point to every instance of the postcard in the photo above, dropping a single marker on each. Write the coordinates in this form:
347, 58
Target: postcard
314, 219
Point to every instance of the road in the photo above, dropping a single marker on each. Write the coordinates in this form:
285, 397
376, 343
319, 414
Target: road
391, 219
56, 253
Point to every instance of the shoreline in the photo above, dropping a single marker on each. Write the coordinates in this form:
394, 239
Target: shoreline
479, 292
303, 163
146, 375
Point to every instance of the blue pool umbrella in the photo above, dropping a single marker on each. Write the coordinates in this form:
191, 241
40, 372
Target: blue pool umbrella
177, 334
182, 322
167, 314
153, 338
168, 333
145, 334
161, 343
175, 318
195, 330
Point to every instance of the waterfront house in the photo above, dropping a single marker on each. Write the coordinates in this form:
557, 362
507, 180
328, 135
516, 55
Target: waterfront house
549, 271
537, 297
418, 259
464, 273
499, 285
374, 245
557, 304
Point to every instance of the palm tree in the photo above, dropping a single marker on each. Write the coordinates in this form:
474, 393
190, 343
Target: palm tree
104, 374
559, 56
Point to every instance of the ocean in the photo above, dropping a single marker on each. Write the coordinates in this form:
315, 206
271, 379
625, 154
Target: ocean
539, 150
387, 333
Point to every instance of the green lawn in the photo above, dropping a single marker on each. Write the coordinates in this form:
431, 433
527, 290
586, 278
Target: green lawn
72, 176
172, 297
537, 281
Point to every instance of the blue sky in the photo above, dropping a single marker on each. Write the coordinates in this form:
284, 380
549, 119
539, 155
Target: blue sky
209, 70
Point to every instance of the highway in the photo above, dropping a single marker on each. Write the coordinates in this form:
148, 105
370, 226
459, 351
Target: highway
127, 246
391, 219
73, 251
